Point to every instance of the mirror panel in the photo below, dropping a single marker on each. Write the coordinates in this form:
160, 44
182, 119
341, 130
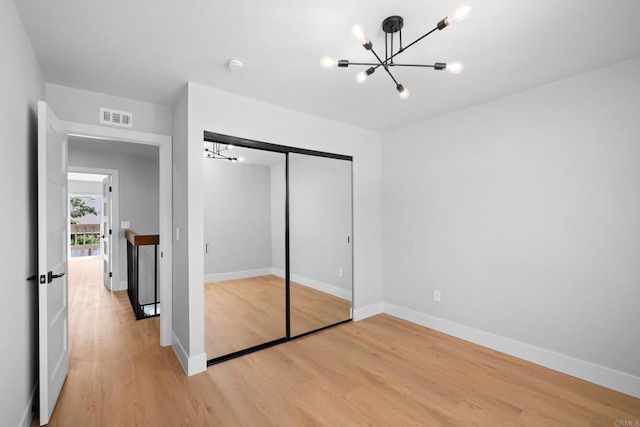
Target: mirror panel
320, 230
244, 225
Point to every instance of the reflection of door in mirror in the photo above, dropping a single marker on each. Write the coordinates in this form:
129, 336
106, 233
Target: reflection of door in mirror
320, 224
244, 300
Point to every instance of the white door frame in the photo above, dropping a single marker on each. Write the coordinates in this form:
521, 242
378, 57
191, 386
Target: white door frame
115, 223
163, 142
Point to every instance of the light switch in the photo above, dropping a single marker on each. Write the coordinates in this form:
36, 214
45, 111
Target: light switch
125, 225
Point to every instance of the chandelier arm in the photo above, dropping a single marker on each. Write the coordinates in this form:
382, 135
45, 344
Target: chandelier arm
377, 64
386, 68
408, 46
412, 65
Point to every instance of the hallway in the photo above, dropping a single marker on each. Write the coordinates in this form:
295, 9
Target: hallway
115, 361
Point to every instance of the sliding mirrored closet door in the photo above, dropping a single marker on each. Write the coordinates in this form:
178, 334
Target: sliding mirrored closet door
244, 203
278, 244
320, 242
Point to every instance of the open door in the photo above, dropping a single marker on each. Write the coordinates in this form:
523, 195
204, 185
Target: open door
52, 260
107, 233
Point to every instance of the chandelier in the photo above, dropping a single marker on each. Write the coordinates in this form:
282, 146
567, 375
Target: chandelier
215, 150
392, 26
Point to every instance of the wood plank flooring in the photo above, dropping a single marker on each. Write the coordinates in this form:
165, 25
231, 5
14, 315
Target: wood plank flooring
381, 371
243, 313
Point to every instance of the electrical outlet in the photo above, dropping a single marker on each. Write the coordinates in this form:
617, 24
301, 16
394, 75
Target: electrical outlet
436, 295
341, 273
125, 225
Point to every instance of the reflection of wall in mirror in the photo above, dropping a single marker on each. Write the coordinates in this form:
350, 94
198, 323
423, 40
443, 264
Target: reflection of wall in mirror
245, 221
319, 224
237, 212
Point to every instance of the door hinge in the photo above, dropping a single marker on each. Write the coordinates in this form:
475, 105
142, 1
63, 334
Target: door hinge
110, 232
110, 189
110, 274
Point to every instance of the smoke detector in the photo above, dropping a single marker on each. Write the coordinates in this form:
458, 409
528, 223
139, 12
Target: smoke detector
235, 65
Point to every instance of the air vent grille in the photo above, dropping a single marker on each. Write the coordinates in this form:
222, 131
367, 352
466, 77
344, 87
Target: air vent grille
116, 118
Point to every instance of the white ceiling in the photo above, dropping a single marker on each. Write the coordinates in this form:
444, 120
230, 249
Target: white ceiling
148, 49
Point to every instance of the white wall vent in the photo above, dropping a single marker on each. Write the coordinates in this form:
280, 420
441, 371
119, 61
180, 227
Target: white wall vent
117, 118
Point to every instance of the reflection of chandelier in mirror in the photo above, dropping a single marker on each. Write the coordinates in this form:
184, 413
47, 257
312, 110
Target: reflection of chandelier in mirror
391, 26
215, 150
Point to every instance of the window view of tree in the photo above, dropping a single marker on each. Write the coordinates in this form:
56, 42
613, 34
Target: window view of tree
80, 208
85, 225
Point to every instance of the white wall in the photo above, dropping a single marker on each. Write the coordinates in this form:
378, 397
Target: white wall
237, 216
524, 213
138, 174
21, 86
82, 106
84, 187
217, 111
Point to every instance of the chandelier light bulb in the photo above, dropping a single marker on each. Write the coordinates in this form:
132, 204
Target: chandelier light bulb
328, 62
241, 159
460, 13
455, 67
403, 92
357, 31
361, 77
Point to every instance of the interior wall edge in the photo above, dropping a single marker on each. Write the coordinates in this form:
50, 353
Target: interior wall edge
597, 374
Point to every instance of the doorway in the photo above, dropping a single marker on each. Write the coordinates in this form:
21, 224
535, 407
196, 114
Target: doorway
163, 143
93, 202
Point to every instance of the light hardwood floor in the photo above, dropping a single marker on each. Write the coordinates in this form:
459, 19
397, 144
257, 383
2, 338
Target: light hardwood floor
243, 313
379, 371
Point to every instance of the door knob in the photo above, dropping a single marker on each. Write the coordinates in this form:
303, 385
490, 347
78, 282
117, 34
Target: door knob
51, 276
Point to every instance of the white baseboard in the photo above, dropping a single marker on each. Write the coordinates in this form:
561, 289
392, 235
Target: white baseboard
27, 414
183, 358
120, 286
367, 311
233, 275
315, 284
197, 364
606, 377
191, 365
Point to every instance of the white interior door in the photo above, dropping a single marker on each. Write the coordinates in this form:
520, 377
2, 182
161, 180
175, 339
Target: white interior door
107, 233
52, 259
